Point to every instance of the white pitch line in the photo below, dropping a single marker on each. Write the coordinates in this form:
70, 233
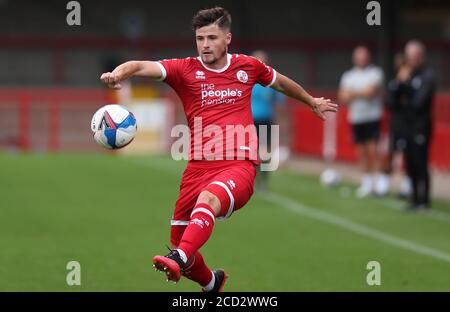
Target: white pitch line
353, 227
313, 213
171, 165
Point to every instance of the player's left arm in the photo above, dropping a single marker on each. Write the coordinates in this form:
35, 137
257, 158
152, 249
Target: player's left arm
292, 89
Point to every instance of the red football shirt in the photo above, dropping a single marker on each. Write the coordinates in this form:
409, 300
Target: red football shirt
217, 104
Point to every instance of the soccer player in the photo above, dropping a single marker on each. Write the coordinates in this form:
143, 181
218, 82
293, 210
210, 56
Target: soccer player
215, 87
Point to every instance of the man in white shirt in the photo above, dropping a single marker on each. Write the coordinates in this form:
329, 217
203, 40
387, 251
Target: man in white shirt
361, 89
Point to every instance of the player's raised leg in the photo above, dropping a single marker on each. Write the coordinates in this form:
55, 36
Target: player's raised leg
186, 260
194, 236
201, 224
226, 192
196, 268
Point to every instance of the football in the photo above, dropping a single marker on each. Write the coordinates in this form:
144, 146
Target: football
330, 178
113, 126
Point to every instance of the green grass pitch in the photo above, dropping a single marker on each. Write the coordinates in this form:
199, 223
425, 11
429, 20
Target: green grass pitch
111, 214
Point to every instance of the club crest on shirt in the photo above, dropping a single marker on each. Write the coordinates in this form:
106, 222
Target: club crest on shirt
242, 76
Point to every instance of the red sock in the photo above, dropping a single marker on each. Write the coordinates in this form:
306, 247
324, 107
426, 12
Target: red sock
176, 233
197, 271
199, 229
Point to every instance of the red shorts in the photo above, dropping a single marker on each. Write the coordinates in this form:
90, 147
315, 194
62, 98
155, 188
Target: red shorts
230, 180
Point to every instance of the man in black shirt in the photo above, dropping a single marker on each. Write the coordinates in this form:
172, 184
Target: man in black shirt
395, 104
415, 86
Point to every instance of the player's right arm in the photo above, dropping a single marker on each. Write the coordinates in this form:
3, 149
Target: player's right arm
129, 69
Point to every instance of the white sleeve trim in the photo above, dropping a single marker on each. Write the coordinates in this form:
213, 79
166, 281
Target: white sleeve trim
163, 71
274, 78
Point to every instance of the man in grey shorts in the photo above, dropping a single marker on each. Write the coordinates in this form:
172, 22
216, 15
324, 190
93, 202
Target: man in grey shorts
361, 89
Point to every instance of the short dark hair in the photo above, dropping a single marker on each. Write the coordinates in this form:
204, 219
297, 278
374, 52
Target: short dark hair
216, 15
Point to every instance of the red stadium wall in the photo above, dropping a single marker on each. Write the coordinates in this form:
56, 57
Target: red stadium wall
53, 119
308, 132
49, 119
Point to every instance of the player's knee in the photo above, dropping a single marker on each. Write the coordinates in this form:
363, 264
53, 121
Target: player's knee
209, 199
